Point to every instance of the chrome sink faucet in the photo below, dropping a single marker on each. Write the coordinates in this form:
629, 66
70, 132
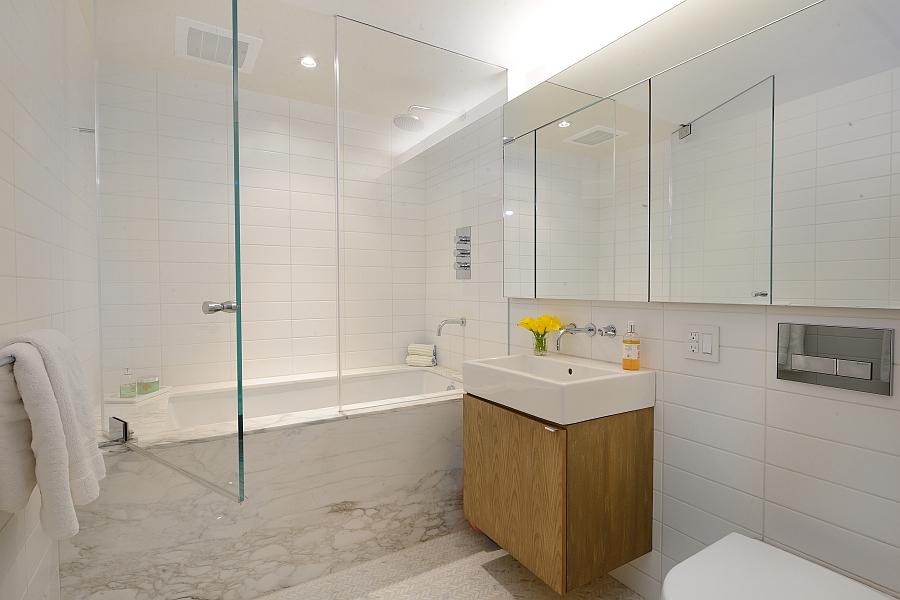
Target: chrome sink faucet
460, 321
590, 329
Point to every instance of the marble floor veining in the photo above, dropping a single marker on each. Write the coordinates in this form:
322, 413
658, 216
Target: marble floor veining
460, 566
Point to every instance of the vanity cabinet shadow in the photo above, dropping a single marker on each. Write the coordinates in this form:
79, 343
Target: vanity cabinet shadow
569, 502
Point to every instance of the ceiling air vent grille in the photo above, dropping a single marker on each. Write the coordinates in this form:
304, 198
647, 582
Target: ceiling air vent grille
594, 136
210, 44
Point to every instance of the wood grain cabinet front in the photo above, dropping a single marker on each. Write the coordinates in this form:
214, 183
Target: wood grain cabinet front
570, 503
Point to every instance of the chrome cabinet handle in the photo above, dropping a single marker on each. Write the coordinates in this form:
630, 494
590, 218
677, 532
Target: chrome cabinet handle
760, 294
228, 306
551, 429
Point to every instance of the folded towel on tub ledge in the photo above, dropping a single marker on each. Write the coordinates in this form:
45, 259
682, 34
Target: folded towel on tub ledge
421, 361
421, 350
47, 432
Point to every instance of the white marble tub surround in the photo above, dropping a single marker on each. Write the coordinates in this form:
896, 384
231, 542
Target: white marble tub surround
192, 413
320, 498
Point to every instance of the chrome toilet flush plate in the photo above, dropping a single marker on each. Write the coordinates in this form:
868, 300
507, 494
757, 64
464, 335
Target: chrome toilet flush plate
851, 358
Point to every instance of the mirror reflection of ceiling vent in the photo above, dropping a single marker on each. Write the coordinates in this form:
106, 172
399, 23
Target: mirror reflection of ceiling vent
206, 43
594, 136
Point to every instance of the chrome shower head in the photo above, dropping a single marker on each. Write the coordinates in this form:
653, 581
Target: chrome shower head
409, 122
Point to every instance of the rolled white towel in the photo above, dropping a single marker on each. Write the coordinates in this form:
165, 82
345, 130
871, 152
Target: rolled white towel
421, 361
421, 350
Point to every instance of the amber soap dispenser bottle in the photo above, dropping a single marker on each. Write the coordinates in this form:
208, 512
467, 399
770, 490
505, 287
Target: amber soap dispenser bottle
631, 349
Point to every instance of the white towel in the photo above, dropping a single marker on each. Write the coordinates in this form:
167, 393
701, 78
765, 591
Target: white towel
791, 340
886, 339
421, 350
67, 463
421, 361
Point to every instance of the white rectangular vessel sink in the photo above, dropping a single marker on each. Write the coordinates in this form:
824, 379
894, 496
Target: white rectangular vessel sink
559, 389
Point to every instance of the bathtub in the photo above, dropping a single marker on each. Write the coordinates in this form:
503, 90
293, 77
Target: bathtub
282, 401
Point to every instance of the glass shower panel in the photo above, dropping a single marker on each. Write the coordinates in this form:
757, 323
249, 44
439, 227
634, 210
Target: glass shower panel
288, 244
416, 162
170, 226
715, 212
518, 216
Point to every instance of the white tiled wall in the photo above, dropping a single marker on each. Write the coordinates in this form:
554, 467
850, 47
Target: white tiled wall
168, 242
518, 217
48, 231
29, 560
811, 469
383, 240
168, 245
592, 224
464, 187
837, 184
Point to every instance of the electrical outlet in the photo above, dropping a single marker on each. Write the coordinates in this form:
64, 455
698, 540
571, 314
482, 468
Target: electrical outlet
701, 342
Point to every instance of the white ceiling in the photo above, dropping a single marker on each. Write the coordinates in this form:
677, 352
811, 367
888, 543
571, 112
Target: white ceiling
533, 38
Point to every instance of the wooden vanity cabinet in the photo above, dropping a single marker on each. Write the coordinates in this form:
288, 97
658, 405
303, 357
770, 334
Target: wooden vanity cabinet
569, 502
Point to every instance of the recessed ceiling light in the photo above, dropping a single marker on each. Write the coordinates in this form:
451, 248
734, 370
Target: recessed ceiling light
309, 62
564, 123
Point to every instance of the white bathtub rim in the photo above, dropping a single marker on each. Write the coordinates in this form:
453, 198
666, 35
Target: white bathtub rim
221, 430
315, 416
312, 378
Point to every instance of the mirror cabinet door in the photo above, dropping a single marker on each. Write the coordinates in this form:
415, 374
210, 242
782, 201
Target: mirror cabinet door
712, 206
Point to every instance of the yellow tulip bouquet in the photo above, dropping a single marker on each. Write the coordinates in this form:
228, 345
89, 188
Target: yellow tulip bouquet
539, 327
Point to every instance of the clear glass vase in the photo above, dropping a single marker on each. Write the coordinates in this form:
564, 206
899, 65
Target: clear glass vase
540, 344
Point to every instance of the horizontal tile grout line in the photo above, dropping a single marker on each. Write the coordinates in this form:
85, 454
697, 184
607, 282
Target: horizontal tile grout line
714, 481
815, 437
708, 513
809, 516
678, 437
692, 537
841, 485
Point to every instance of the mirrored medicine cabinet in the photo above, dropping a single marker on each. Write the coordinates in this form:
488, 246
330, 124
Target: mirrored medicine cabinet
764, 171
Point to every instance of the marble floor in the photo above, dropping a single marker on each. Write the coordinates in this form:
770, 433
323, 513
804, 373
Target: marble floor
460, 566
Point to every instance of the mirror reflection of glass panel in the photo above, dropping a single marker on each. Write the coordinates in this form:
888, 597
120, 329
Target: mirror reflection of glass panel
632, 197
715, 214
518, 217
542, 104
575, 205
592, 201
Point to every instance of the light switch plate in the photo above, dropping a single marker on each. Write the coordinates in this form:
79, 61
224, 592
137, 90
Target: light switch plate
701, 342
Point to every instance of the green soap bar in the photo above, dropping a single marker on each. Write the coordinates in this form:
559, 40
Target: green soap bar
148, 386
